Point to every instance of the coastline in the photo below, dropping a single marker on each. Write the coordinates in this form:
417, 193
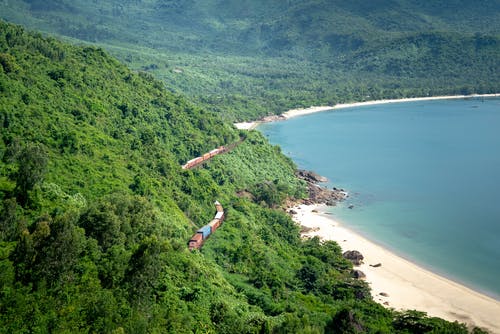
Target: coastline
403, 284
315, 109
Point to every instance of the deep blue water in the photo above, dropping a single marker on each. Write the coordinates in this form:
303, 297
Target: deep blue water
424, 179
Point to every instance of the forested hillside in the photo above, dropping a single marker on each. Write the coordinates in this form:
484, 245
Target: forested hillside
95, 213
246, 59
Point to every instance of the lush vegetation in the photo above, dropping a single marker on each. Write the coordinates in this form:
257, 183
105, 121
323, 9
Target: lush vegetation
246, 59
95, 213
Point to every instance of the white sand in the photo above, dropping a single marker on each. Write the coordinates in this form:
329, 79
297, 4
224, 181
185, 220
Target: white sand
306, 111
408, 286
311, 110
246, 125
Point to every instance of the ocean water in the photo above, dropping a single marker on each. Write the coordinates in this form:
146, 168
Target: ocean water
423, 178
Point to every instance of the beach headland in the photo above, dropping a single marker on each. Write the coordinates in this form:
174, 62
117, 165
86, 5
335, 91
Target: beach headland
398, 283
395, 282
315, 109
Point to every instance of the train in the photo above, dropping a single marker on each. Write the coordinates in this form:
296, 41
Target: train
198, 160
197, 240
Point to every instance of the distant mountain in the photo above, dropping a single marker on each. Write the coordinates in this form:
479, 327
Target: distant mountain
248, 58
253, 26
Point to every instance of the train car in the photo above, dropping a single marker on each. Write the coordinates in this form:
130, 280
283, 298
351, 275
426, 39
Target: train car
218, 206
188, 164
219, 215
196, 241
214, 224
205, 231
193, 162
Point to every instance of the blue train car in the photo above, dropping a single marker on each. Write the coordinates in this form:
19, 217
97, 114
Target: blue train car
205, 231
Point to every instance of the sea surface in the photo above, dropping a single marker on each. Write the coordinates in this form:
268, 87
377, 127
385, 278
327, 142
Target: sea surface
423, 179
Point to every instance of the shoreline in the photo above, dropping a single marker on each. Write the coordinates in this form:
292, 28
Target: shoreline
315, 109
403, 284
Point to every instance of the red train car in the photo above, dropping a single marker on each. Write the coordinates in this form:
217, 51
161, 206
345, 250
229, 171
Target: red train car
193, 162
196, 241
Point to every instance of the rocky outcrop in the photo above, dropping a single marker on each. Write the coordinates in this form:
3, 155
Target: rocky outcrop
310, 176
272, 118
354, 256
318, 194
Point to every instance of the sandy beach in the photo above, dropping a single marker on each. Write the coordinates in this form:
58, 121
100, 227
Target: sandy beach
247, 125
404, 284
306, 111
311, 110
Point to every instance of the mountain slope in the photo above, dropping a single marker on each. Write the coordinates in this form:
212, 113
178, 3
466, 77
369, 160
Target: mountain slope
96, 212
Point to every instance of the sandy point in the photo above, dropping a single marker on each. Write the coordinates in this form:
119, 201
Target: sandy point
400, 284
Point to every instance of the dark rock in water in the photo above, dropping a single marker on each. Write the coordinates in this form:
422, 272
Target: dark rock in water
331, 202
351, 206
384, 294
358, 274
321, 195
376, 265
354, 256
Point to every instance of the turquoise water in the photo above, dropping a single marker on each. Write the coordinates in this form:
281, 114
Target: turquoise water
424, 179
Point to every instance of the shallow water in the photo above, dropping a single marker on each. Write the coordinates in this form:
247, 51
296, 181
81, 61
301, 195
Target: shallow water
424, 178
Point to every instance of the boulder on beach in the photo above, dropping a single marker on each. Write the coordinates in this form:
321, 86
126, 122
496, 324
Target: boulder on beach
384, 294
358, 274
376, 265
354, 256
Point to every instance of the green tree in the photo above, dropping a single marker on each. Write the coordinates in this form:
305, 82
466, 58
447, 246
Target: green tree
32, 164
9, 219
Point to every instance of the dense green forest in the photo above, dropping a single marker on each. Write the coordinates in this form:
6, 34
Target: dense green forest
245, 59
95, 213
